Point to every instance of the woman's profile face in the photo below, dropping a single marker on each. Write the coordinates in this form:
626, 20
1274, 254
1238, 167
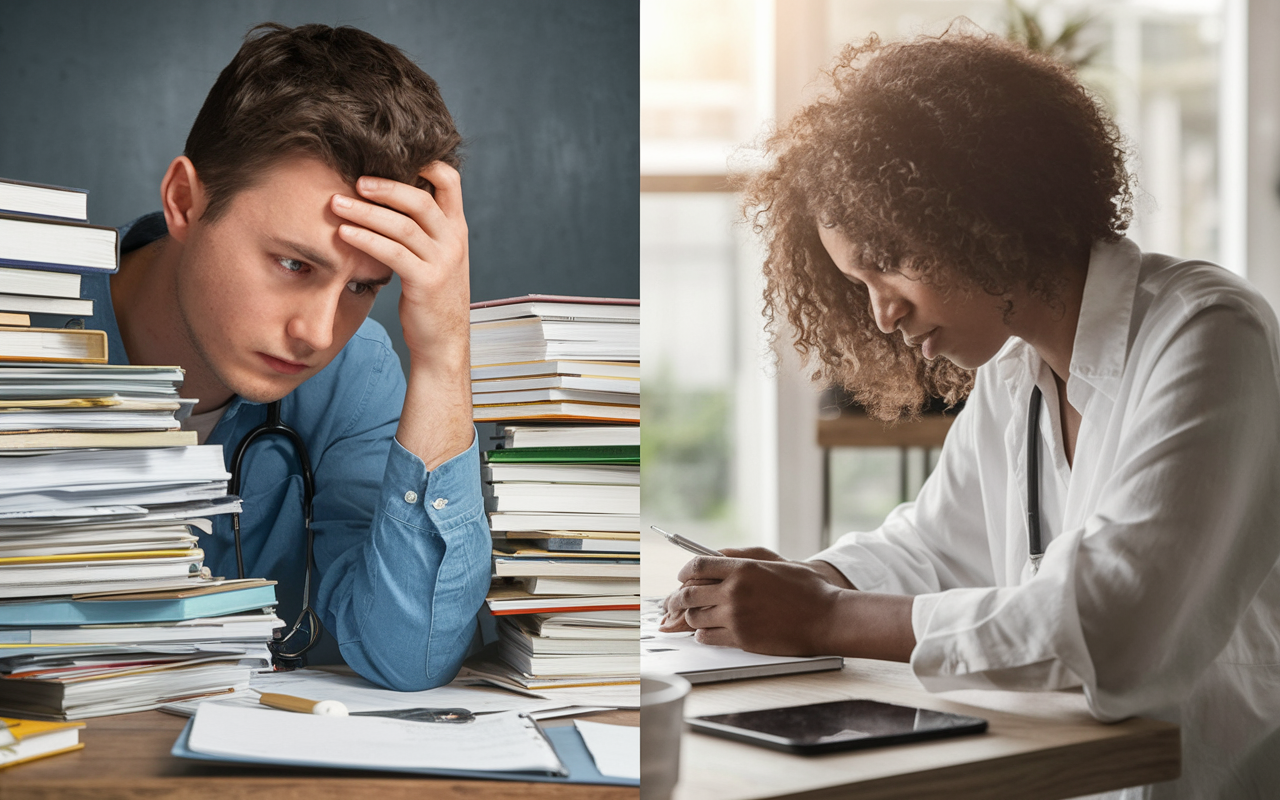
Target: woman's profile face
968, 328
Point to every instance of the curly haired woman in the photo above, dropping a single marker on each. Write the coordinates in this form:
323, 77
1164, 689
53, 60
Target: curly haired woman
949, 221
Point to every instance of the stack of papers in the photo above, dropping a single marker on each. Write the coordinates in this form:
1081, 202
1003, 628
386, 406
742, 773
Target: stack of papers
47, 405
68, 658
105, 603
77, 521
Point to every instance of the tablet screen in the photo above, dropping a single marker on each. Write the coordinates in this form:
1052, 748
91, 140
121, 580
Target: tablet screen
843, 721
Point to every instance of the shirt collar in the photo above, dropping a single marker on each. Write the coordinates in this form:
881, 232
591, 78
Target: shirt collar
1102, 333
1101, 344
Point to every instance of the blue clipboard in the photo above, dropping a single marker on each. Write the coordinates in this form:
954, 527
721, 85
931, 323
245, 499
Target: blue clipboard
565, 739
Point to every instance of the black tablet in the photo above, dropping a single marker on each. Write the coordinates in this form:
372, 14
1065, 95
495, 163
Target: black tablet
837, 725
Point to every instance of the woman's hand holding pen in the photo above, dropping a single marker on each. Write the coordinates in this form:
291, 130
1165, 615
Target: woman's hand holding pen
673, 613
766, 604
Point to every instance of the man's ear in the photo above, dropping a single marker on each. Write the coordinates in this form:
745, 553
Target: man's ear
182, 196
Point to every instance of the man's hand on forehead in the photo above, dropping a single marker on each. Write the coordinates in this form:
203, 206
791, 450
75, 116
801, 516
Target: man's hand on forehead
422, 236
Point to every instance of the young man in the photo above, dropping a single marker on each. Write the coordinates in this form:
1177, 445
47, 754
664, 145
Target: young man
322, 163
1104, 514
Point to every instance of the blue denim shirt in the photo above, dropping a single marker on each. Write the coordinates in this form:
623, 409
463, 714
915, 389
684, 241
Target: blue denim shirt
400, 576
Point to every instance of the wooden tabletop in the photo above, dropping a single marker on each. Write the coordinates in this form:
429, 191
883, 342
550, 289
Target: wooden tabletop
127, 756
856, 429
1042, 744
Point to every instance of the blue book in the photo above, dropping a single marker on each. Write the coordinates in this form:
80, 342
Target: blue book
65, 611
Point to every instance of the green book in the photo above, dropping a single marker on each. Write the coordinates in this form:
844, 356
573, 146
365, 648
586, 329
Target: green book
604, 454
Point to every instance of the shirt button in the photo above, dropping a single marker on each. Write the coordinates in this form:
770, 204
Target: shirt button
439, 503
411, 496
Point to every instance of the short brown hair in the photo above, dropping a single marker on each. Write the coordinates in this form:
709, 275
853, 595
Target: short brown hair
970, 159
340, 95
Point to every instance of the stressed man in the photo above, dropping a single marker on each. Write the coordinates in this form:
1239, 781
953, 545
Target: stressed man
323, 163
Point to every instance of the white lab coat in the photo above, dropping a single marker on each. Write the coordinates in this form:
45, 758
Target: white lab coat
1159, 590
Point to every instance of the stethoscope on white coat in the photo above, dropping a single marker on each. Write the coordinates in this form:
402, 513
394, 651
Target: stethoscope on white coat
1034, 547
284, 658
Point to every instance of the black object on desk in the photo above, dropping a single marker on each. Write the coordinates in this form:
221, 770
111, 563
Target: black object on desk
836, 725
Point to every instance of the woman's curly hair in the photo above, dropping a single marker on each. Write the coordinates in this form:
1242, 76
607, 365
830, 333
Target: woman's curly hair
970, 159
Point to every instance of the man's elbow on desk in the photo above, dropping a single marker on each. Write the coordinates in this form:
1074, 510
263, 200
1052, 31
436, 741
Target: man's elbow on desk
413, 674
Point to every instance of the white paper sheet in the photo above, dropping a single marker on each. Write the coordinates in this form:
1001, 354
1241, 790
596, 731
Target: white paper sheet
497, 742
357, 694
615, 748
625, 695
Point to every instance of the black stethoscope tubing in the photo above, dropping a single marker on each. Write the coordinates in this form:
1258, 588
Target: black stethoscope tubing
1034, 547
273, 426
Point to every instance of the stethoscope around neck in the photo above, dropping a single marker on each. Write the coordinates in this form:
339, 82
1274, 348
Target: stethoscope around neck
1034, 546
284, 655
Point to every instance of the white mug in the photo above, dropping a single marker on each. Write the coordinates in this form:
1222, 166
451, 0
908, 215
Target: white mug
661, 721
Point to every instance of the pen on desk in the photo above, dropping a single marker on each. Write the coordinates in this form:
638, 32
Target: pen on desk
285, 702
687, 544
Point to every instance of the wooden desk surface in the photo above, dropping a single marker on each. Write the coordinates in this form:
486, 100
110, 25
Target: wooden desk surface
1042, 745
856, 429
127, 756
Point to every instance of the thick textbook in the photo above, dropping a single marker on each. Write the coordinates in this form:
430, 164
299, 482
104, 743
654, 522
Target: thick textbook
52, 344
60, 246
43, 200
40, 282
45, 305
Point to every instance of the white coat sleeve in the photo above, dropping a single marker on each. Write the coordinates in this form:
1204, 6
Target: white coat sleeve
937, 542
1138, 601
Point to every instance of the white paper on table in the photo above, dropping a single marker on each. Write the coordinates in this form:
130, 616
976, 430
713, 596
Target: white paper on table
567, 711
358, 694
626, 695
615, 748
506, 742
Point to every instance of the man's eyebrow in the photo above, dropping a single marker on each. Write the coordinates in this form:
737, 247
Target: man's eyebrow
308, 255
312, 257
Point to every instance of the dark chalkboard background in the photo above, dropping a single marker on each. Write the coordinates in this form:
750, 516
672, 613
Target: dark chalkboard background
100, 96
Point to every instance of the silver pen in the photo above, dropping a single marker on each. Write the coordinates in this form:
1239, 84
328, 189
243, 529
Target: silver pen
687, 544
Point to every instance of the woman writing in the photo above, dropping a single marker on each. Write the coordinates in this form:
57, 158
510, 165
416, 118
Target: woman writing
1105, 513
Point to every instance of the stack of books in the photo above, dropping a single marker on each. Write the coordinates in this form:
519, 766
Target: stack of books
562, 489
102, 501
548, 357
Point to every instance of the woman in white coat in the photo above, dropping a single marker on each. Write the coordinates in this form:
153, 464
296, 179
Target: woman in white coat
948, 221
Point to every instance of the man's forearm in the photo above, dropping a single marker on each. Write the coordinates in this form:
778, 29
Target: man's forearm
403, 605
436, 423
